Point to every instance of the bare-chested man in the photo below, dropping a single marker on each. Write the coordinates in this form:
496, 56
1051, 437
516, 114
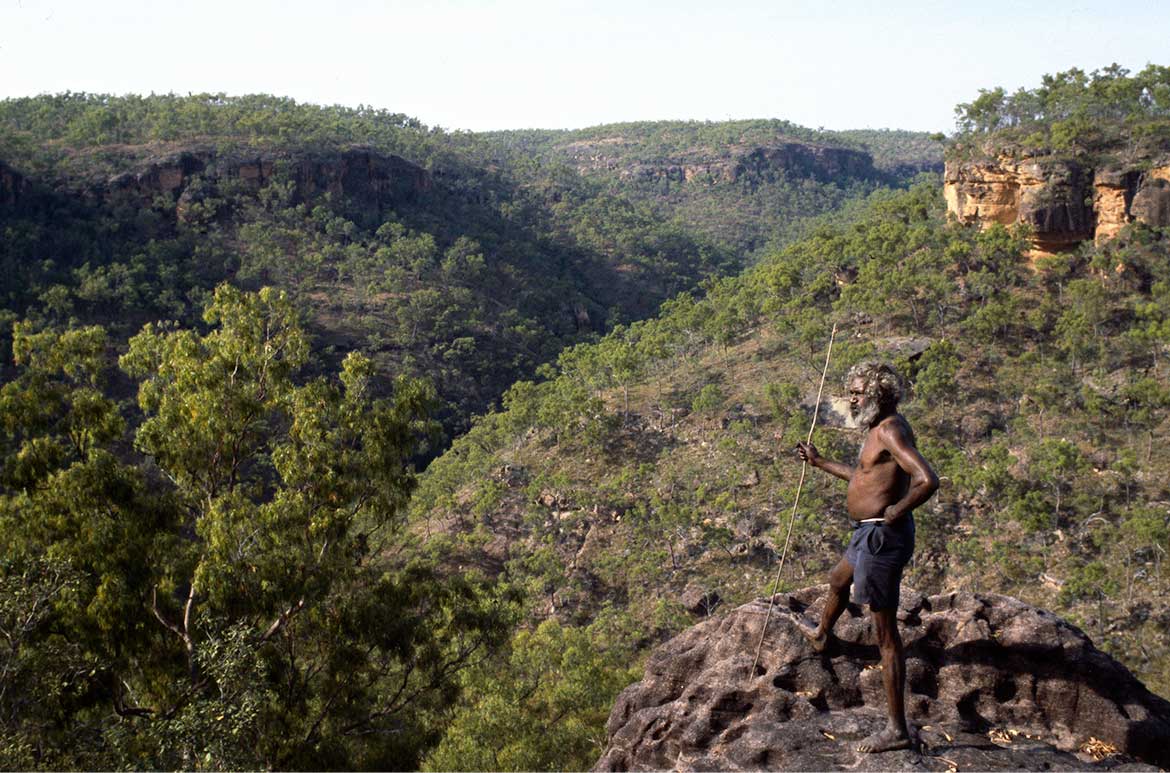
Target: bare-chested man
890, 480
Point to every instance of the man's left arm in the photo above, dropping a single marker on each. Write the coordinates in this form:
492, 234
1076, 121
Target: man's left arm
896, 437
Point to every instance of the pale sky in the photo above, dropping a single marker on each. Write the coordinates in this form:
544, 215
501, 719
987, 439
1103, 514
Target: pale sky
478, 65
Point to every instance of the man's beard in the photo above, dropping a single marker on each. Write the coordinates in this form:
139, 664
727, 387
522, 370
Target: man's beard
866, 415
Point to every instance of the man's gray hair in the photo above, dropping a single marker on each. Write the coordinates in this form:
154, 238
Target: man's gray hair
882, 382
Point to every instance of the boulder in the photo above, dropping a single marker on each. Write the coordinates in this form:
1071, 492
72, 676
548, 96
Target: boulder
700, 601
991, 684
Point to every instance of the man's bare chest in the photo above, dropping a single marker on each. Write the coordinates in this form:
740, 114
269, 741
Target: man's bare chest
874, 460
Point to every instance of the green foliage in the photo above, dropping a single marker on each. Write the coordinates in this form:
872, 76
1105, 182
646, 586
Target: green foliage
99, 119
542, 705
1092, 580
75, 526
1034, 512
782, 400
709, 399
249, 615
1147, 527
1076, 112
56, 411
44, 674
935, 380
1057, 462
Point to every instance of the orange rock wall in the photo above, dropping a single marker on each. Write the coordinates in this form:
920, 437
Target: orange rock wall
1063, 202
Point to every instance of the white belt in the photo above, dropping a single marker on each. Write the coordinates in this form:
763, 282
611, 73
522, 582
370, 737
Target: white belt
872, 520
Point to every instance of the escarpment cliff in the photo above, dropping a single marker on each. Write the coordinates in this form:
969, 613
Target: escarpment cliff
181, 177
1064, 201
794, 159
991, 684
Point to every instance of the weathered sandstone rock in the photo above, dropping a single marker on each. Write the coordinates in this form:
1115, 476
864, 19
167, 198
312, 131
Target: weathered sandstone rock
1063, 201
992, 683
1151, 201
1113, 192
700, 601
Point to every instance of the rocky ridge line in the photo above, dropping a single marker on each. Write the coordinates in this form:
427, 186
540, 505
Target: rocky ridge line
795, 159
371, 179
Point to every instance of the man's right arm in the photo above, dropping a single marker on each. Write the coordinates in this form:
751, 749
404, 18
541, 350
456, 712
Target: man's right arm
808, 452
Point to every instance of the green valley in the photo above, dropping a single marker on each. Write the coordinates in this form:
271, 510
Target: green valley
330, 440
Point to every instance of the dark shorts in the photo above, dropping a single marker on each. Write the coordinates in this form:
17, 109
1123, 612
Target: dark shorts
878, 554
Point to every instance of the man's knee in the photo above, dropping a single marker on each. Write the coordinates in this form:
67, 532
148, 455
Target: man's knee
885, 624
841, 578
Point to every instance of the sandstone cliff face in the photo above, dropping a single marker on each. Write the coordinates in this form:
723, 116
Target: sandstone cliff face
992, 684
371, 179
794, 159
1063, 201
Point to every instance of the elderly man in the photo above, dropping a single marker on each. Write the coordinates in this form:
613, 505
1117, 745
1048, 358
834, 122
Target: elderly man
890, 480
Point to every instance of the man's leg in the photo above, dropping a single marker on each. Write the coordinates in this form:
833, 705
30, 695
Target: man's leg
897, 734
840, 578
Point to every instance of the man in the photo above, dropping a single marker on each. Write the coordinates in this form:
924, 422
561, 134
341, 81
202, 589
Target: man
890, 480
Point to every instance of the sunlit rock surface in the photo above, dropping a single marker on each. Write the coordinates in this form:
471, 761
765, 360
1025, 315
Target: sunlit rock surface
1063, 201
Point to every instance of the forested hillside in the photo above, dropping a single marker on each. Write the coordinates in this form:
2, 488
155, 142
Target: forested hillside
422, 248
648, 481
746, 185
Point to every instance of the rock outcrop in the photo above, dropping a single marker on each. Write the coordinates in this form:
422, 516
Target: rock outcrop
991, 683
1063, 201
372, 180
793, 159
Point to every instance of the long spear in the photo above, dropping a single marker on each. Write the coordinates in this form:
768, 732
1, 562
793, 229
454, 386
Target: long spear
795, 502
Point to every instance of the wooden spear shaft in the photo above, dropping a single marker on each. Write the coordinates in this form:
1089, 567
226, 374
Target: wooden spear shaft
796, 501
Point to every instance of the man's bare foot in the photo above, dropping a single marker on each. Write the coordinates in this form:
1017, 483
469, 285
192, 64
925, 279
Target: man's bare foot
818, 640
885, 741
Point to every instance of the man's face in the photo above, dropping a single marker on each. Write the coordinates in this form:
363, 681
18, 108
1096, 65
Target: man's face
863, 408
